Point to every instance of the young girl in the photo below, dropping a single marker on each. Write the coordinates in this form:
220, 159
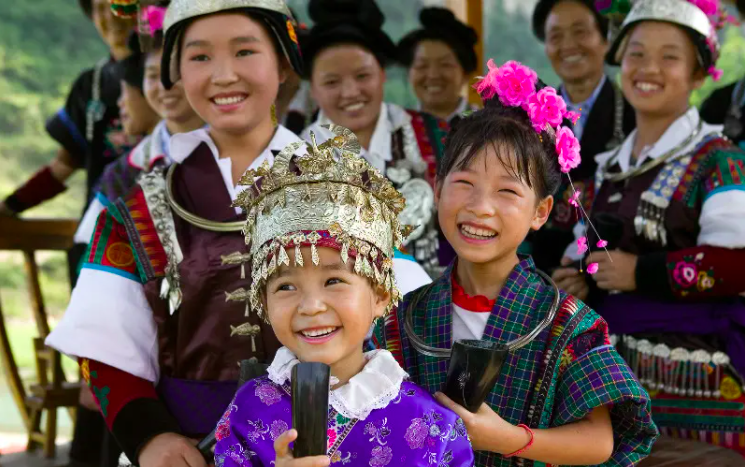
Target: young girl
159, 318
675, 189
154, 150
567, 397
321, 231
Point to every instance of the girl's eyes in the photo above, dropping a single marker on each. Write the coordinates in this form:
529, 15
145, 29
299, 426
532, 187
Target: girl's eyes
334, 281
244, 53
463, 182
285, 288
507, 190
199, 58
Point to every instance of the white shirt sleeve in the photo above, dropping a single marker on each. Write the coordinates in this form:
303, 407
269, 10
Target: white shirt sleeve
722, 219
88, 223
109, 320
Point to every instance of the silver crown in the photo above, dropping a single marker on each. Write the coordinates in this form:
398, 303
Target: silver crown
680, 12
180, 10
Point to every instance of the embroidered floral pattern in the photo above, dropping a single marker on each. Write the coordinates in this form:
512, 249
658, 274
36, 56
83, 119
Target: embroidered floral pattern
267, 392
223, 426
236, 453
256, 431
278, 427
381, 456
339, 456
331, 438
417, 433
378, 433
689, 275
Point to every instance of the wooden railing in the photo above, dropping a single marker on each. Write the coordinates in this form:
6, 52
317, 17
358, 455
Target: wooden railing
29, 236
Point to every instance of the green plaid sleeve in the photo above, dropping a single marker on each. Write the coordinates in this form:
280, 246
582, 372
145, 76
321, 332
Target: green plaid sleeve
598, 378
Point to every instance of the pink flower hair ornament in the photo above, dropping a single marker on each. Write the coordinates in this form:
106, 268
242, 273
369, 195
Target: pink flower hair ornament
515, 85
153, 17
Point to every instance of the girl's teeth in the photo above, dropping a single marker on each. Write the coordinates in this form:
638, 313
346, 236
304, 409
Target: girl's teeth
318, 332
476, 232
353, 107
647, 87
573, 58
229, 100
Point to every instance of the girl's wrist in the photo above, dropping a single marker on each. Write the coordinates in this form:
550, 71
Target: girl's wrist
512, 440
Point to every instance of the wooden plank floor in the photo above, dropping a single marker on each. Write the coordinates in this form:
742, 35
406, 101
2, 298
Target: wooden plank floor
669, 452
23, 459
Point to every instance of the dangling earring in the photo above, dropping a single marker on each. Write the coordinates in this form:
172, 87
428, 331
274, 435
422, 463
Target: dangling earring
274, 115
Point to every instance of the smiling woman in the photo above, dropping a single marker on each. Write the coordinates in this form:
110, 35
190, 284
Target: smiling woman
574, 36
165, 256
675, 193
346, 55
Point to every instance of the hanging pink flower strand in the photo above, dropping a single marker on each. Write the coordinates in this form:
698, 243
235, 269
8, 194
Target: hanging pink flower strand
515, 86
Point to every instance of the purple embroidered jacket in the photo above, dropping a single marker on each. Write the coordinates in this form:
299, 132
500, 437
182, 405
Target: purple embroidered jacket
413, 430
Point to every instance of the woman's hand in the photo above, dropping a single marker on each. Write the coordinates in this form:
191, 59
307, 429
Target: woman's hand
616, 270
571, 281
171, 450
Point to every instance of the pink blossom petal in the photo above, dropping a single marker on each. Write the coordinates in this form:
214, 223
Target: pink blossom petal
715, 73
582, 245
602, 243
574, 200
592, 268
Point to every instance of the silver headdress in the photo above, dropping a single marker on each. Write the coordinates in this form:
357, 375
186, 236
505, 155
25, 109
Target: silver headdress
331, 197
685, 13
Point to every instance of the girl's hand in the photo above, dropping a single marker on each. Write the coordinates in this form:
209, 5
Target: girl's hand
284, 455
616, 270
487, 430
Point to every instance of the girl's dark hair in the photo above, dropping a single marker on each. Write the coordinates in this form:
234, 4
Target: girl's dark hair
508, 131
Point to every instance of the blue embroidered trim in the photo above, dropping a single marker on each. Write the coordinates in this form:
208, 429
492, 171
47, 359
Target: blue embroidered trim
722, 189
73, 129
111, 270
399, 255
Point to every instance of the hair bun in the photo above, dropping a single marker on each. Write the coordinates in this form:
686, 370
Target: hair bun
364, 12
442, 19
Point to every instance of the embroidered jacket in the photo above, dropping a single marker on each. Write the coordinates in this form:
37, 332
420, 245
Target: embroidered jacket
568, 370
375, 419
682, 328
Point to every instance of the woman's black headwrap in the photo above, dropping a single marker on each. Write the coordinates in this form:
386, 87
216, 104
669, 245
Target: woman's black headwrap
347, 22
543, 9
441, 24
132, 68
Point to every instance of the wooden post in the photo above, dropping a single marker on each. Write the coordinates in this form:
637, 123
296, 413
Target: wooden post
11, 371
472, 13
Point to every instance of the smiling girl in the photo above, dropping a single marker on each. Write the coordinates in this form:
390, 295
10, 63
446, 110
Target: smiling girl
568, 385
321, 231
675, 190
159, 318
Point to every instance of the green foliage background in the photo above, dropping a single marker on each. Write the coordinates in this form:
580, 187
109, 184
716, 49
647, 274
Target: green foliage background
44, 44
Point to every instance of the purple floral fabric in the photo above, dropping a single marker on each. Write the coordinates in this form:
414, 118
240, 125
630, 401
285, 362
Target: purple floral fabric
414, 430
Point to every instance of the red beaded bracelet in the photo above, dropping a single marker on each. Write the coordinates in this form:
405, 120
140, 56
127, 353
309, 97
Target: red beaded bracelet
527, 446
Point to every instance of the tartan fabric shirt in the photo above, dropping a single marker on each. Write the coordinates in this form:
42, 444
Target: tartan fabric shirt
567, 371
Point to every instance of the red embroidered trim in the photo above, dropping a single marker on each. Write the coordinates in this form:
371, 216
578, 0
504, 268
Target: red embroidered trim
114, 388
425, 146
140, 214
477, 304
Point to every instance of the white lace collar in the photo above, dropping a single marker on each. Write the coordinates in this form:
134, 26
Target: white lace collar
374, 387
